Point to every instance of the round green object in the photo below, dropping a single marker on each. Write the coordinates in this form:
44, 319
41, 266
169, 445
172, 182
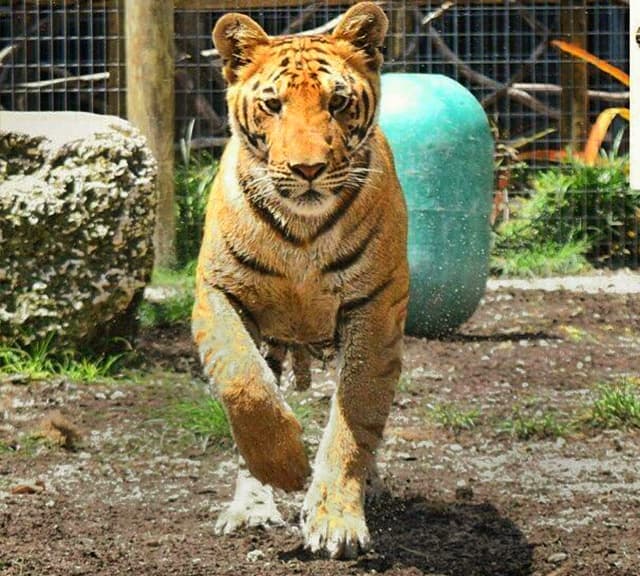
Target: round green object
443, 150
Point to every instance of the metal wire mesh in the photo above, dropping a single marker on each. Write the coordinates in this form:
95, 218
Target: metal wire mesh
70, 56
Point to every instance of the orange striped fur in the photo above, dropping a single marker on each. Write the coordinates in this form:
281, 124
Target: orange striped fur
305, 248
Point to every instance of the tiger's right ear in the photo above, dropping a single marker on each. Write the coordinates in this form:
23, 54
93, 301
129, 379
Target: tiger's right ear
235, 36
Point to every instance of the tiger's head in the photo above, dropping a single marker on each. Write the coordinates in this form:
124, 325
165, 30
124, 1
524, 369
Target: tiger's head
303, 107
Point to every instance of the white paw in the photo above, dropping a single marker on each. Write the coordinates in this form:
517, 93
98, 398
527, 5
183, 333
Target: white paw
334, 523
239, 515
253, 505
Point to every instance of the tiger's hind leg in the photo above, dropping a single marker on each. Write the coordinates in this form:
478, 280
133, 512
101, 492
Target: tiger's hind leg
252, 505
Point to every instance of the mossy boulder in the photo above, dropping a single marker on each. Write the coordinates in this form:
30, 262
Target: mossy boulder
77, 213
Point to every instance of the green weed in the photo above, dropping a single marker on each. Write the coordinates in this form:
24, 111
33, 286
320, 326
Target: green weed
205, 418
590, 208
174, 309
616, 405
540, 424
455, 419
548, 259
42, 360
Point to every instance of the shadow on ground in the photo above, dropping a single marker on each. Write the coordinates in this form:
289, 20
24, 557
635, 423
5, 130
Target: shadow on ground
438, 538
457, 539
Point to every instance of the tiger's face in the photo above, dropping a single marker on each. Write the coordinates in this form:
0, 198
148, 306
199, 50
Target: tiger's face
303, 107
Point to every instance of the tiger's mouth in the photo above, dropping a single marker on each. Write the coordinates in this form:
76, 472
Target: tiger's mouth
311, 196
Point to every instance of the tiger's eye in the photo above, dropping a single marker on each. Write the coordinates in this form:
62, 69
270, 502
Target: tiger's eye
273, 104
337, 103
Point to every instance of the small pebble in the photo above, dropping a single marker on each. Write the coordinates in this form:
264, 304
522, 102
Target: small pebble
255, 555
557, 558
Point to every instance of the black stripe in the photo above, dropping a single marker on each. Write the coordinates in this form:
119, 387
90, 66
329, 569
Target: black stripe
356, 303
237, 304
365, 129
393, 366
250, 262
337, 214
391, 343
266, 216
365, 102
399, 299
250, 137
350, 259
277, 76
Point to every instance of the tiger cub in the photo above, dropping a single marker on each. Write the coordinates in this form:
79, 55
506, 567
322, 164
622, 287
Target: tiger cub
304, 247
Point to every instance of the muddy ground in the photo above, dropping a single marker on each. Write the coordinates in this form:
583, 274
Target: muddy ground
139, 493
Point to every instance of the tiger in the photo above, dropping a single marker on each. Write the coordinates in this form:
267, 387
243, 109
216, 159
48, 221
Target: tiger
304, 250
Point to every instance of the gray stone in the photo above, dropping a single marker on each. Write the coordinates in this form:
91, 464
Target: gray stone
77, 212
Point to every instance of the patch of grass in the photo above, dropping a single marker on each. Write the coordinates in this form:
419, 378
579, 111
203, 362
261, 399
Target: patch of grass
452, 418
42, 360
174, 303
539, 424
205, 418
615, 406
174, 309
547, 259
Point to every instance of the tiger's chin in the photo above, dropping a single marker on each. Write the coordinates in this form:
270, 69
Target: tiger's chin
310, 203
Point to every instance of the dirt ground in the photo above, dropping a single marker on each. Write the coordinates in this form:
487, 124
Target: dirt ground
139, 494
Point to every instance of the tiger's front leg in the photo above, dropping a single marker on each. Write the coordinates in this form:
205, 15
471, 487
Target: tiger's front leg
333, 517
266, 431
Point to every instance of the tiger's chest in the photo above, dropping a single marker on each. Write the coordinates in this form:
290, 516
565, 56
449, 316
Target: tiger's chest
296, 310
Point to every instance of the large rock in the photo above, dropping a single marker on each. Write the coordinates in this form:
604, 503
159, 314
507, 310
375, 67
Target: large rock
77, 212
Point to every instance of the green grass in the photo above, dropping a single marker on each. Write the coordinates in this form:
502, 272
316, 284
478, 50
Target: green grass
525, 424
176, 307
453, 418
548, 259
205, 418
42, 360
615, 406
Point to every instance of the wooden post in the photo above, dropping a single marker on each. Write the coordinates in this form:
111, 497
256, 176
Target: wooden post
634, 68
574, 102
151, 103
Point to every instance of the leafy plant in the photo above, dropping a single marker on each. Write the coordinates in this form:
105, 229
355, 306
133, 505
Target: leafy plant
527, 424
175, 301
455, 419
616, 405
43, 360
204, 417
548, 259
591, 209
193, 179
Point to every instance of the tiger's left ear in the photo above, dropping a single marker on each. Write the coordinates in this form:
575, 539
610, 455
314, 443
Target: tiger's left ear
364, 25
235, 36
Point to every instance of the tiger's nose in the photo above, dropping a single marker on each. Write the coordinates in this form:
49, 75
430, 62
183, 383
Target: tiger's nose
308, 171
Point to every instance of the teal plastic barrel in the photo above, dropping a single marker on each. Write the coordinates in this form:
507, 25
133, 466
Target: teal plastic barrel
443, 151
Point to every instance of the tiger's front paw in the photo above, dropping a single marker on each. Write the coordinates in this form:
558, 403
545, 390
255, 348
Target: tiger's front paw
333, 522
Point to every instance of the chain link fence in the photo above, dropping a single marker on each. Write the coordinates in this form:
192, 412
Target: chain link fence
69, 55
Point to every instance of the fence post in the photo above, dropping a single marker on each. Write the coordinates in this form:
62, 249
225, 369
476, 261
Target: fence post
151, 103
574, 102
634, 68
